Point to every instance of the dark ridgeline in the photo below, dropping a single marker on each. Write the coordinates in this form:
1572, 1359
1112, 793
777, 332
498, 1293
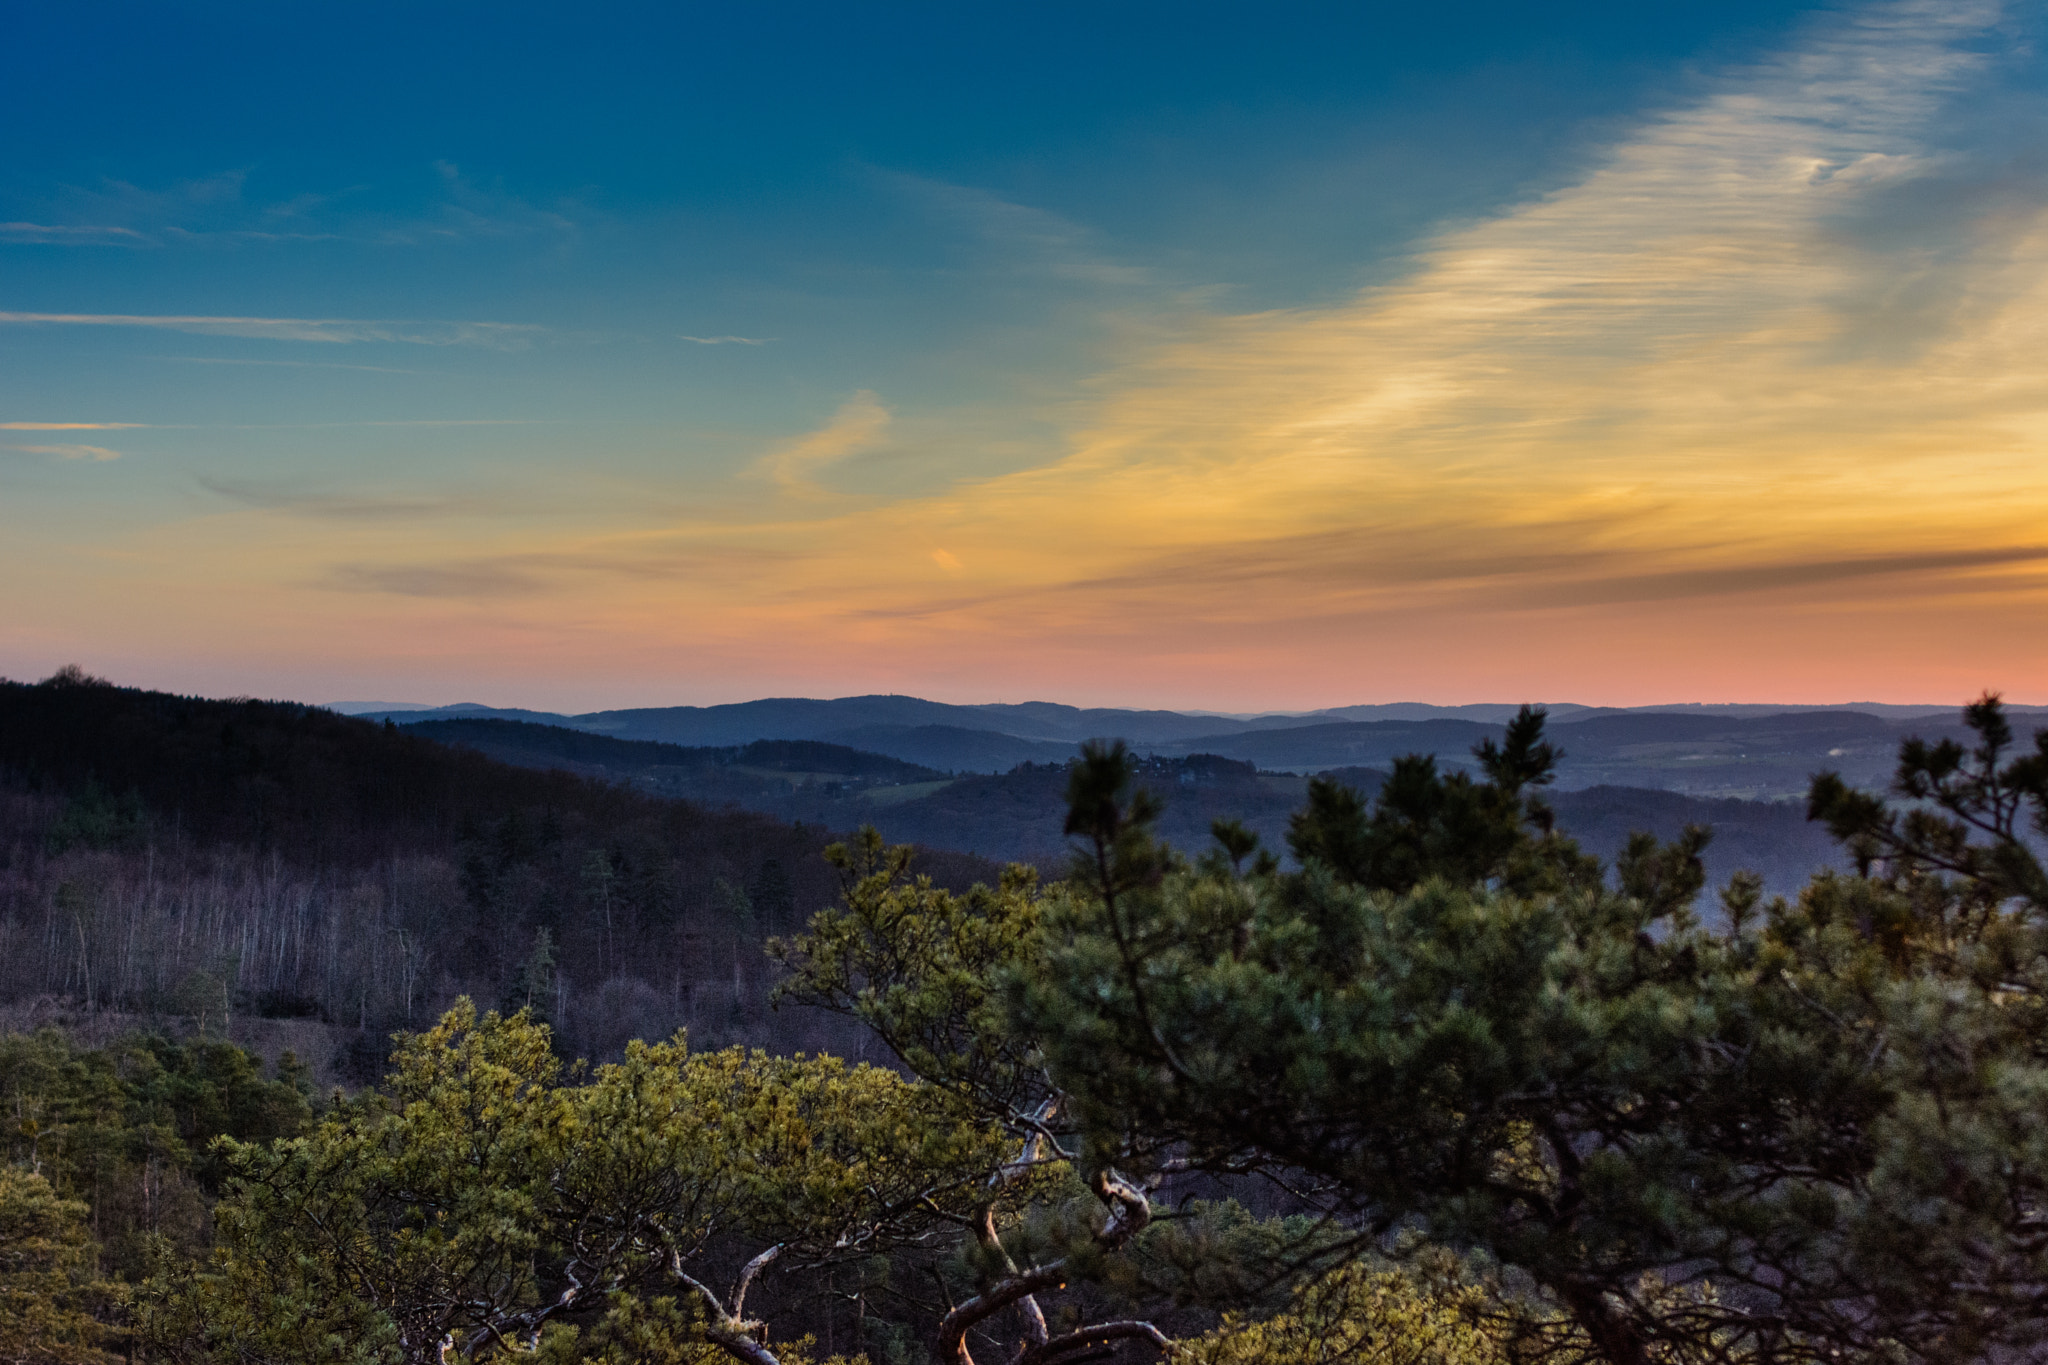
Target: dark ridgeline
1018, 815
166, 856
1753, 752
744, 774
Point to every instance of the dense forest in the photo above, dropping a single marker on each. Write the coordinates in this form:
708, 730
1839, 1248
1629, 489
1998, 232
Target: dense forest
318, 882
167, 856
1419, 1079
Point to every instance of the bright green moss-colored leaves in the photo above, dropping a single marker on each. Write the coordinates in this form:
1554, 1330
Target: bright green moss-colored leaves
1365, 1315
491, 1196
52, 1304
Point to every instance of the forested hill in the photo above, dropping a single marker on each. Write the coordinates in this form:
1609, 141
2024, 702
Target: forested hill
712, 775
1020, 815
164, 855
269, 775
1747, 752
170, 856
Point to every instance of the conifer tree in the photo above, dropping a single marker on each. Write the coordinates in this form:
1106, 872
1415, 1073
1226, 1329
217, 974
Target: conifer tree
48, 1288
492, 1207
533, 983
1812, 1133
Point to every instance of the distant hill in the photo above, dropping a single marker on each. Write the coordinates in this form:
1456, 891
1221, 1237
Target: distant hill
162, 855
955, 749
1748, 751
805, 718
1312, 748
1769, 758
1017, 816
764, 768
166, 856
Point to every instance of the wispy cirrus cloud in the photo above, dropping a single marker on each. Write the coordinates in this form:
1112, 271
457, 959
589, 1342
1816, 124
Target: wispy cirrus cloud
491, 335
859, 425
1753, 404
91, 454
298, 500
607, 561
471, 208
219, 211
71, 234
427, 422
483, 580
1537, 567
291, 364
1023, 238
1638, 356
70, 426
1777, 349
376, 422
725, 341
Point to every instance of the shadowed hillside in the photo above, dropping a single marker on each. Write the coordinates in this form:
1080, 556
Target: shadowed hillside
1016, 816
1750, 752
177, 857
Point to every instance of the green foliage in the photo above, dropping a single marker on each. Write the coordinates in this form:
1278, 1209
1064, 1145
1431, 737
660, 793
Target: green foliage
130, 1128
1430, 824
51, 1300
1958, 852
95, 818
1443, 1024
1235, 843
533, 984
1521, 1107
1364, 1314
656, 1331
632, 1331
490, 1196
926, 969
919, 965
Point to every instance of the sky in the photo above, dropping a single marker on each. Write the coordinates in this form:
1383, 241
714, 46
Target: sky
1207, 356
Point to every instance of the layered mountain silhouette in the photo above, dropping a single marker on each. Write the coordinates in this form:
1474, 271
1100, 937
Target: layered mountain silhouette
1017, 815
1754, 752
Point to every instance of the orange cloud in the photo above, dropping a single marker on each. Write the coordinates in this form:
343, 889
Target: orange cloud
1679, 430
858, 426
1678, 380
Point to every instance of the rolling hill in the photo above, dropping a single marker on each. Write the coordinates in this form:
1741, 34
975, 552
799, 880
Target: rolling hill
1016, 816
1740, 751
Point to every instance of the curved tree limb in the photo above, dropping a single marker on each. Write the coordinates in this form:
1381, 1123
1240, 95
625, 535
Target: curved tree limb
746, 1280
731, 1334
1034, 1316
1071, 1344
953, 1328
1129, 1212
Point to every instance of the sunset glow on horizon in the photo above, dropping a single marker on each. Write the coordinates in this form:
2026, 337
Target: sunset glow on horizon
1735, 390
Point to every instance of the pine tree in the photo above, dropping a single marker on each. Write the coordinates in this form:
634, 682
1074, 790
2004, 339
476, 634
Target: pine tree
496, 1204
533, 982
48, 1289
1446, 1021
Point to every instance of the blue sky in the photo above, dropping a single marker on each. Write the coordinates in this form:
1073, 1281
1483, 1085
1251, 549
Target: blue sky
833, 174
424, 310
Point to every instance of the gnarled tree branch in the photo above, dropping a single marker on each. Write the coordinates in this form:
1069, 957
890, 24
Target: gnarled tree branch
1069, 1345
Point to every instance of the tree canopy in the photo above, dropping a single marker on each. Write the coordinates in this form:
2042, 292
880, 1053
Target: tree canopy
488, 1199
1436, 1087
1812, 1128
